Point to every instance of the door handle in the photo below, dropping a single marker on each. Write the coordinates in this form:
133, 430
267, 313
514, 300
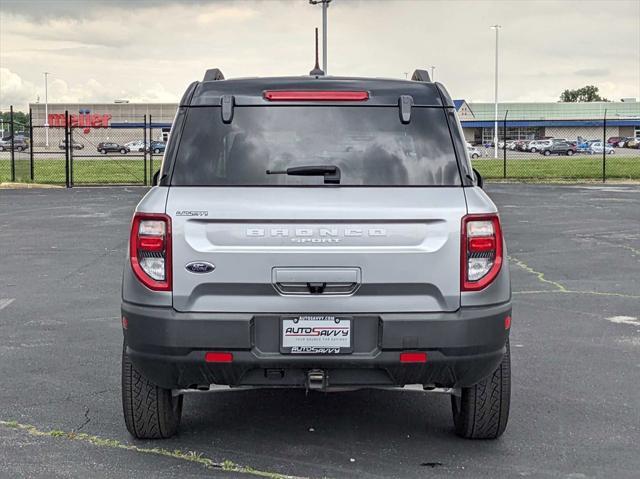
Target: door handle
316, 280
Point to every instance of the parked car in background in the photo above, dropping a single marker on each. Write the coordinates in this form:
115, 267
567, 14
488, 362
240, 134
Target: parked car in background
614, 140
596, 147
633, 143
107, 147
157, 147
473, 152
19, 144
582, 146
521, 145
542, 144
136, 145
536, 145
623, 141
532, 146
559, 148
74, 144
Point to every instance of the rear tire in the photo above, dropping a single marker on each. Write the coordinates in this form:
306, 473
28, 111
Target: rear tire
547, 152
150, 412
569, 152
482, 411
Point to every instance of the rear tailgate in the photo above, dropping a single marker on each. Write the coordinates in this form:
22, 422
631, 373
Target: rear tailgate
325, 250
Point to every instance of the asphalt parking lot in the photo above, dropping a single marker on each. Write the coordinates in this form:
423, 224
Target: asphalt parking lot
575, 259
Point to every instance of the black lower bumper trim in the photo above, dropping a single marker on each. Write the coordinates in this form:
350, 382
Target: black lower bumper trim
169, 348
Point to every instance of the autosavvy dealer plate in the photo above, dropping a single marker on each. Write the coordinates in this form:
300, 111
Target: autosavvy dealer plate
316, 334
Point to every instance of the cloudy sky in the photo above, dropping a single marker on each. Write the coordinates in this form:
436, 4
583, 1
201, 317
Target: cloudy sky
150, 50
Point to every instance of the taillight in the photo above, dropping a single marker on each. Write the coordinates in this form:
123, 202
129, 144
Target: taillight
150, 250
481, 251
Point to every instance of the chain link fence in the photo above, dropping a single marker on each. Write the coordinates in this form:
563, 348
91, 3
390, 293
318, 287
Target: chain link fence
114, 155
567, 150
77, 150
80, 149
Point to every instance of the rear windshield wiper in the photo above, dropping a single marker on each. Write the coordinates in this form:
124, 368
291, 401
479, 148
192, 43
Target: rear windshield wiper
331, 173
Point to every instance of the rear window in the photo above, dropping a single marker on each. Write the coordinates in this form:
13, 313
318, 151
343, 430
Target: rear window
369, 145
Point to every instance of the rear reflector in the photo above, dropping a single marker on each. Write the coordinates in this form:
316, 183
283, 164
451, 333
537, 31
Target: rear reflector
413, 357
297, 95
125, 323
218, 357
507, 322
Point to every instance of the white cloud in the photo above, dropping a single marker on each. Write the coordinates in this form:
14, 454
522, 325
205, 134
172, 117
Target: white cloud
219, 15
150, 50
14, 90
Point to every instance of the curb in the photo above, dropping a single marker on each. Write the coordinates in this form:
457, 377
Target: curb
23, 186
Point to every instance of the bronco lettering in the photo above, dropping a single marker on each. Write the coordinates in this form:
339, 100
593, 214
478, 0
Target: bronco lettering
327, 233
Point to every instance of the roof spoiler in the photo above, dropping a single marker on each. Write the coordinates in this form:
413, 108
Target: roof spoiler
421, 75
213, 74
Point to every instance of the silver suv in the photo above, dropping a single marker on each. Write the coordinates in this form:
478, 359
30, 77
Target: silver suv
316, 232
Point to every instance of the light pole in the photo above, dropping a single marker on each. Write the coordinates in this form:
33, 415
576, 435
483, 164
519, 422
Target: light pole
325, 5
497, 28
433, 73
46, 108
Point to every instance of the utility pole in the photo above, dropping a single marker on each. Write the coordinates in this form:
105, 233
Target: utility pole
325, 5
46, 108
495, 124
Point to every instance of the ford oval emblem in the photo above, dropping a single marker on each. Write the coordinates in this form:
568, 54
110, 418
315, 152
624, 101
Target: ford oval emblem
200, 267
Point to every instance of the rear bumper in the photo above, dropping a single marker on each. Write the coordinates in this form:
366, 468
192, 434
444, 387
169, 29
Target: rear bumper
169, 347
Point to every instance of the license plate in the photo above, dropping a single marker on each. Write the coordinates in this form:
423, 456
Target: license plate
316, 334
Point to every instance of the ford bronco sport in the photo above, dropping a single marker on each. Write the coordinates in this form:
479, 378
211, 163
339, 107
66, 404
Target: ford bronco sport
316, 232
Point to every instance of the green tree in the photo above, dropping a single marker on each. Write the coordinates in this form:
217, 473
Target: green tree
20, 121
585, 94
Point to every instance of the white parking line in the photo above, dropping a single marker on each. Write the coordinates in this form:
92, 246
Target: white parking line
630, 320
615, 189
6, 302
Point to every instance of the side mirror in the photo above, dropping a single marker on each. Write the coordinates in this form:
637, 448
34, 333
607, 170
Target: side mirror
156, 177
479, 180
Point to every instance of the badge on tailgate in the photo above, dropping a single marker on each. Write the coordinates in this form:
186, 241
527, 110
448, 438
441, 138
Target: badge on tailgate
316, 334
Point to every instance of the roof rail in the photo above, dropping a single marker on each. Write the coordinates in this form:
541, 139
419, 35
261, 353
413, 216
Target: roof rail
213, 74
421, 75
